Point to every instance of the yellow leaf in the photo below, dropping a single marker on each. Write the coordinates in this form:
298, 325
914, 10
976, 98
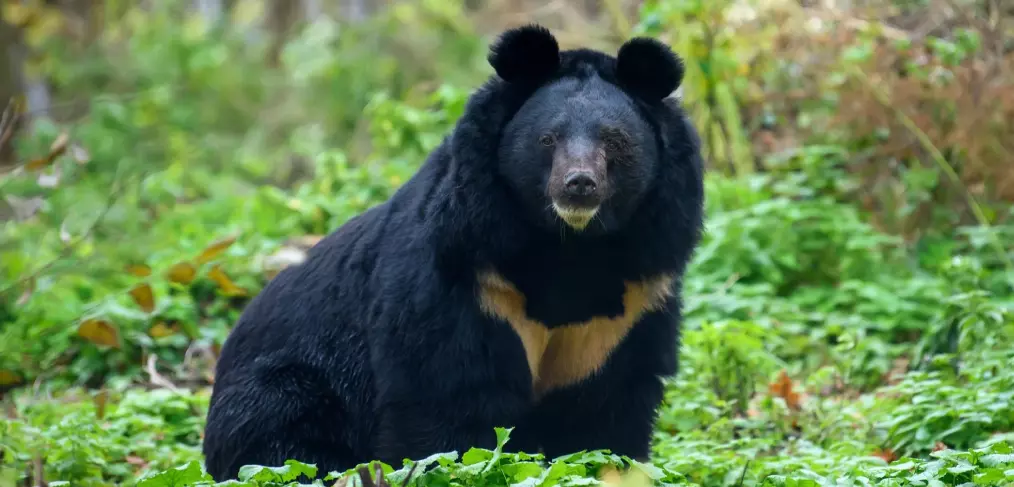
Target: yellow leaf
227, 286
99, 332
214, 250
160, 330
139, 270
182, 273
9, 378
144, 297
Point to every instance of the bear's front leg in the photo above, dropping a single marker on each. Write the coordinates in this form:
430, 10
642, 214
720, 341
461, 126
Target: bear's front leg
444, 385
616, 408
619, 418
416, 429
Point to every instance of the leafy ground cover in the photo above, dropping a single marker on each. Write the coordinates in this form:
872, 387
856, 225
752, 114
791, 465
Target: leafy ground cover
824, 345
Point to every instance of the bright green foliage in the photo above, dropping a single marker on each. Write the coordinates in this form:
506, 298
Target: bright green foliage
816, 343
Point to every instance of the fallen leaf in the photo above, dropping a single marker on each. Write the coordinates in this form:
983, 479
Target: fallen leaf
144, 297
224, 283
886, 454
182, 273
783, 387
136, 461
161, 330
214, 250
139, 270
99, 332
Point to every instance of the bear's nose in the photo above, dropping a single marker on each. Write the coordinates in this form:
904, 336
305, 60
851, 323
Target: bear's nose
580, 184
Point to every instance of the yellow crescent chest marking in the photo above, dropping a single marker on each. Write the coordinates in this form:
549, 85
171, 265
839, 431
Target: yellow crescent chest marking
571, 353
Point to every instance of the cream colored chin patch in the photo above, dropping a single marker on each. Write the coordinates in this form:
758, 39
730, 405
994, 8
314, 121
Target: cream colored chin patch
576, 218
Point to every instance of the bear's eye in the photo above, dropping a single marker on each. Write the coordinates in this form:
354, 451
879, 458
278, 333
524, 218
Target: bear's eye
615, 141
547, 140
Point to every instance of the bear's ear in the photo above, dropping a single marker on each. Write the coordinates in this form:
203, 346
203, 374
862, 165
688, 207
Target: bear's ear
648, 68
527, 54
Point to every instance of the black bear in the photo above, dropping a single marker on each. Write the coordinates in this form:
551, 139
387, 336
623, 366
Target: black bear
527, 276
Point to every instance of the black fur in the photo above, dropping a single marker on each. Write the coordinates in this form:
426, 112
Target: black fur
527, 54
375, 347
649, 68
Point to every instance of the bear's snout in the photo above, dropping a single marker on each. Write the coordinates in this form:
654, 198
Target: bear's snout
580, 183
577, 183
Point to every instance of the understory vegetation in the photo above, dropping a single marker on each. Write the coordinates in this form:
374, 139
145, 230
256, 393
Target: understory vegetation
849, 314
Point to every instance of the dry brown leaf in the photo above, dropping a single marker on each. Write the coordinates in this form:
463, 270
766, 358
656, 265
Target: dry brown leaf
139, 270
214, 250
182, 273
136, 461
100, 400
57, 149
99, 332
161, 330
144, 297
886, 454
224, 283
783, 387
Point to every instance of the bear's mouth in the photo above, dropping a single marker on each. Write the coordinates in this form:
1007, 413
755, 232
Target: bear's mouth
575, 217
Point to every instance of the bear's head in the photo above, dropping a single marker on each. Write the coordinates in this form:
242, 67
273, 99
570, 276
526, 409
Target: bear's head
583, 148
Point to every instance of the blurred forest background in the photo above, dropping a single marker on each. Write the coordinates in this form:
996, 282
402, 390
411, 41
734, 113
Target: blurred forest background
849, 314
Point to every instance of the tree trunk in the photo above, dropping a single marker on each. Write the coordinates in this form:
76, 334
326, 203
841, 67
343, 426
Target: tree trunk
283, 17
10, 88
